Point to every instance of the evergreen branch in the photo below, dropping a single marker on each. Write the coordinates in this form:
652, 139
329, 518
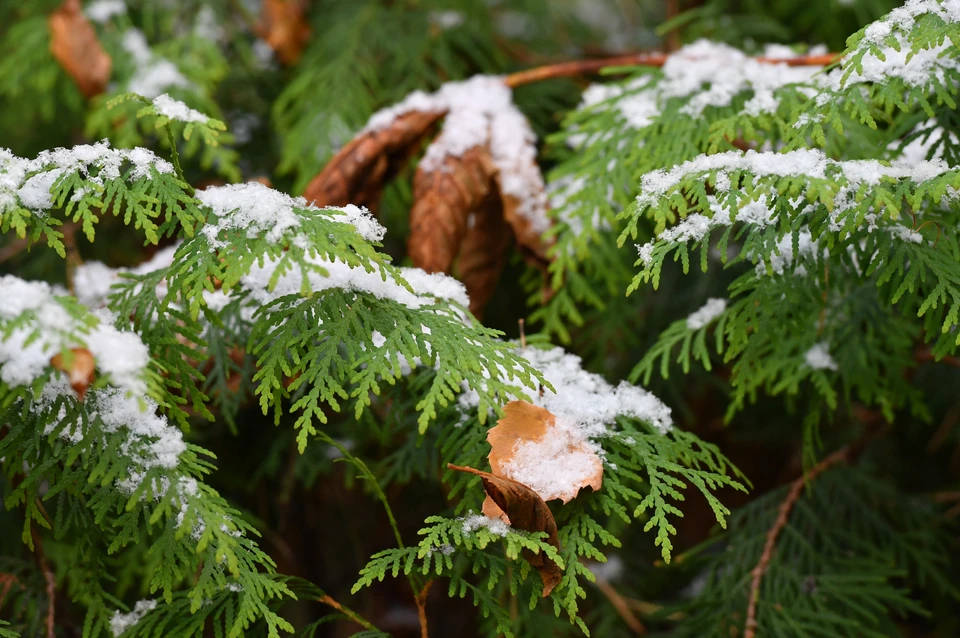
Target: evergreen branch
783, 515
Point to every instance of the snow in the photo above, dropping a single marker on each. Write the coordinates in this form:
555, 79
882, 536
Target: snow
818, 357
809, 163
101, 11
474, 522
94, 162
120, 623
176, 110
153, 75
26, 351
152, 441
609, 571
425, 285
585, 407
93, 279
707, 74
556, 465
707, 313
881, 61
262, 211
445, 20
584, 400
480, 112
779, 262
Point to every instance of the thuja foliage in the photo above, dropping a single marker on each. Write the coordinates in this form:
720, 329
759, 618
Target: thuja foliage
225, 410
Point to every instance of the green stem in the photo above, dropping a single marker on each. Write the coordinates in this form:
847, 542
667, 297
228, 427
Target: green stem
191, 191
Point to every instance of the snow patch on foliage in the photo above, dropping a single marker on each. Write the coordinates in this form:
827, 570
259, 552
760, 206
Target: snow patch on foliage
473, 522
818, 357
120, 623
707, 313
557, 465
480, 112
153, 75
706, 74
94, 162
49, 329
177, 110
101, 11
262, 211
584, 400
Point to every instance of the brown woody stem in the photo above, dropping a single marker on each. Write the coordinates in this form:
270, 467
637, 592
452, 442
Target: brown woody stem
421, 600
588, 67
841, 455
50, 580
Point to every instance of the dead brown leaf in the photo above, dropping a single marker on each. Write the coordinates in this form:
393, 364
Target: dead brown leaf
283, 26
443, 201
79, 366
74, 44
524, 422
358, 172
526, 511
483, 253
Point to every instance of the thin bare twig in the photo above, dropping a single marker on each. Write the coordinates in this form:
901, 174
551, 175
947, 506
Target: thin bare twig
622, 606
49, 578
783, 516
73, 254
346, 611
588, 67
523, 334
421, 600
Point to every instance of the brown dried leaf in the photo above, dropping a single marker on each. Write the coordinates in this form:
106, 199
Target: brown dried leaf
283, 26
74, 44
443, 201
358, 172
530, 241
79, 365
523, 422
526, 511
483, 253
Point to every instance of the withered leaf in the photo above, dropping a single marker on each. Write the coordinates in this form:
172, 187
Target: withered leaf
483, 253
358, 172
526, 511
79, 365
284, 27
524, 422
444, 199
74, 44
530, 241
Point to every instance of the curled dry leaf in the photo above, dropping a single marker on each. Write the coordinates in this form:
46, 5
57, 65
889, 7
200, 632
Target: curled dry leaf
74, 44
483, 253
526, 511
284, 27
444, 200
465, 211
358, 172
527, 444
79, 365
